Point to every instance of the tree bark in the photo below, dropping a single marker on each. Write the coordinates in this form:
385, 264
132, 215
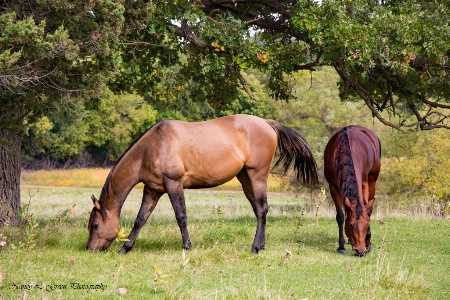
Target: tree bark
10, 167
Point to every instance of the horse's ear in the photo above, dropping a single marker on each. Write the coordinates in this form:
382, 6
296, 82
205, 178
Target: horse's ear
348, 203
370, 203
96, 202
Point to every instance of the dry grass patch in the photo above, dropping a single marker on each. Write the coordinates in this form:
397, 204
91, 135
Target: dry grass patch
95, 177
66, 178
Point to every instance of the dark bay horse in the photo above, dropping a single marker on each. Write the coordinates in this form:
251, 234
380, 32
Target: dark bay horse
173, 155
352, 164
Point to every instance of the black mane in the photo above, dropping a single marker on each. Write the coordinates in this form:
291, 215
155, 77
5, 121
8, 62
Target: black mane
346, 171
107, 185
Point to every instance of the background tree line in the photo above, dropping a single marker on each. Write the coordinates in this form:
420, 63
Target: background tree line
194, 60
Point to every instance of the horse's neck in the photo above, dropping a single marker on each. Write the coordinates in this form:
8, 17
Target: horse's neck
123, 178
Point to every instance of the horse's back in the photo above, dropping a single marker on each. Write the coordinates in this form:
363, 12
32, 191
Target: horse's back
238, 131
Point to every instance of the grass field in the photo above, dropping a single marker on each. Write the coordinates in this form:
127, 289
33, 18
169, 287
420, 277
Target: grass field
409, 260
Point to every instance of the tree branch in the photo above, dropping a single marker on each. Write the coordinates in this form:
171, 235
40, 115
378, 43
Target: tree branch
241, 80
434, 104
265, 21
184, 32
138, 43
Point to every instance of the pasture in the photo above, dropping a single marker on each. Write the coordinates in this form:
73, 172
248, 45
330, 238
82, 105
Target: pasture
48, 260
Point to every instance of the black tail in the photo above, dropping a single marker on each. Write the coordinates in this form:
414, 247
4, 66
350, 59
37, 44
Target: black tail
379, 144
293, 148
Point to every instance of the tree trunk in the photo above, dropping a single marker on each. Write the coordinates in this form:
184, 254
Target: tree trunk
10, 153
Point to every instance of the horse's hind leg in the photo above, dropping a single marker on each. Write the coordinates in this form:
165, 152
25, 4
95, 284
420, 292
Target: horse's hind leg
339, 217
255, 191
176, 196
149, 201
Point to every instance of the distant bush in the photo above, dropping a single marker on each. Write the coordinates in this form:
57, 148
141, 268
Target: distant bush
419, 165
105, 128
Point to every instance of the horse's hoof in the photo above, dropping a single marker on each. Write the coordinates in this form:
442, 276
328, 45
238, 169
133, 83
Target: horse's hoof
187, 246
255, 250
124, 250
341, 251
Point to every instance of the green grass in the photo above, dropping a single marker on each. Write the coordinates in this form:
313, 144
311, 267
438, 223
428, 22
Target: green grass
409, 259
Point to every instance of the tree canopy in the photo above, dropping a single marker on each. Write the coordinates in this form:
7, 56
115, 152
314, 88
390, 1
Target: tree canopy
52, 50
394, 55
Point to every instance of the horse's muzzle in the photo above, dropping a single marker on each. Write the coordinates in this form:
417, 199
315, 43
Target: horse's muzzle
359, 253
96, 248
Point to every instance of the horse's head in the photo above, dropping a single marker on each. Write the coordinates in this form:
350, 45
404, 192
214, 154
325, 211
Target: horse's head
103, 227
357, 224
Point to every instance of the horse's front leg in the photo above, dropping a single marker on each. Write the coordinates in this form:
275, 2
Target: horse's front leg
149, 201
340, 220
368, 242
340, 217
372, 182
176, 196
369, 233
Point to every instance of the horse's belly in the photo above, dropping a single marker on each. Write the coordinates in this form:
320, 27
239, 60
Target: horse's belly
212, 173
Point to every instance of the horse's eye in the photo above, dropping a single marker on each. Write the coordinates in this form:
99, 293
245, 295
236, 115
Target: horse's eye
95, 226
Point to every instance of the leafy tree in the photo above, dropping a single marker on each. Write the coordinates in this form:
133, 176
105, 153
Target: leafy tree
394, 55
52, 54
259, 104
118, 121
184, 104
58, 134
418, 165
109, 126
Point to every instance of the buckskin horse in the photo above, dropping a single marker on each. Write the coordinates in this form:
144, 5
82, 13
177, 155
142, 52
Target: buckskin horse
173, 155
352, 165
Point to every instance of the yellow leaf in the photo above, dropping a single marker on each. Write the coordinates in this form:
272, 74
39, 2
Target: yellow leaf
263, 57
157, 270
